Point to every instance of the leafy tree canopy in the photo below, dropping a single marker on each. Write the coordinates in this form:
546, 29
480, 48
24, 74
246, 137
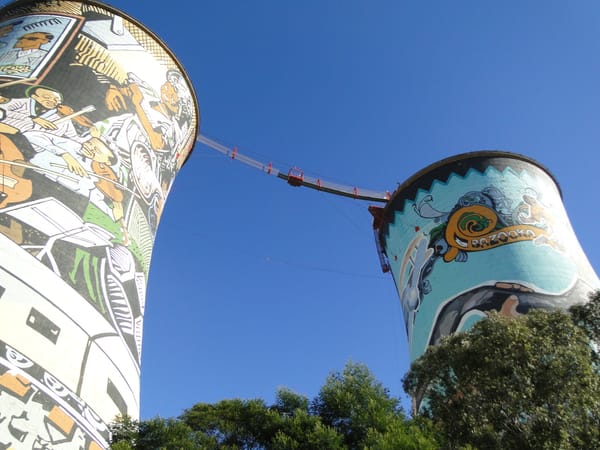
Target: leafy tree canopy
524, 383
527, 383
352, 411
354, 403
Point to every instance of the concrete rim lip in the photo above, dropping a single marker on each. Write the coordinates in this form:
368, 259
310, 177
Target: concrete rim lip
452, 160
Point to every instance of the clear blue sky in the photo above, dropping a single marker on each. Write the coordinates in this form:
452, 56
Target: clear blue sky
255, 284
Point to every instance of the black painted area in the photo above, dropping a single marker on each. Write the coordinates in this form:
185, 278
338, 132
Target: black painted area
116, 397
43, 325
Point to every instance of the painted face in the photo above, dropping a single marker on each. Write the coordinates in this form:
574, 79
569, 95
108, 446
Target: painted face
169, 96
97, 150
47, 98
31, 41
6, 29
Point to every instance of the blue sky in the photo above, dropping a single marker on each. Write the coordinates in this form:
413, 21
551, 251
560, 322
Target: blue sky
255, 284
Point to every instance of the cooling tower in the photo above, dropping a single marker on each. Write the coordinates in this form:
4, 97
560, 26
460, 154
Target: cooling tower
96, 118
479, 232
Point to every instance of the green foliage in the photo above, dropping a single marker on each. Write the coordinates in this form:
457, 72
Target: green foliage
166, 434
154, 434
353, 402
121, 445
287, 402
303, 431
525, 383
405, 435
299, 429
235, 424
124, 431
587, 317
352, 411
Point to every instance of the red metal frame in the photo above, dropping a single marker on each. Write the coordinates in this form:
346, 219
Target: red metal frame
295, 176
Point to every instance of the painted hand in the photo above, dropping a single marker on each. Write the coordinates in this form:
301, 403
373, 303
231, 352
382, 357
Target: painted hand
74, 165
44, 123
117, 210
114, 99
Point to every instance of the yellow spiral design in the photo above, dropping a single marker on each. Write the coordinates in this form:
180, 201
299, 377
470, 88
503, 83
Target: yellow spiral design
473, 221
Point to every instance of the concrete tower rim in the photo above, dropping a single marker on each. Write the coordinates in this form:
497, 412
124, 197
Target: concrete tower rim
464, 157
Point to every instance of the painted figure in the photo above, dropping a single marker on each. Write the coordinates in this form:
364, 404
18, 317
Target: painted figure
88, 153
27, 51
47, 124
477, 233
6, 30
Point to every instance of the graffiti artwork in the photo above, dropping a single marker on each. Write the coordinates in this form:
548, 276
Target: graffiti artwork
29, 43
31, 396
477, 233
96, 118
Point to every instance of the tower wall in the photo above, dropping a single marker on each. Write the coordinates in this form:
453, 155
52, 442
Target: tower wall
96, 118
480, 232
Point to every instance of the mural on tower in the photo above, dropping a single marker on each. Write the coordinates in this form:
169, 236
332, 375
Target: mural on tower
480, 232
96, 118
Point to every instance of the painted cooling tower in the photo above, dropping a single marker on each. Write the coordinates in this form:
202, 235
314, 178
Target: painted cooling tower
479, 232
96, 118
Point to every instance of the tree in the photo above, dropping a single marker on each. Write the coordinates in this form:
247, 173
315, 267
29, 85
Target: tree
525, 383
587, 317
235, 424
124, 432
121, 445
303, 431
353, 410
288, 402
299, 429
250, 424
404, 434
167, 434
153, 434
358, 406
